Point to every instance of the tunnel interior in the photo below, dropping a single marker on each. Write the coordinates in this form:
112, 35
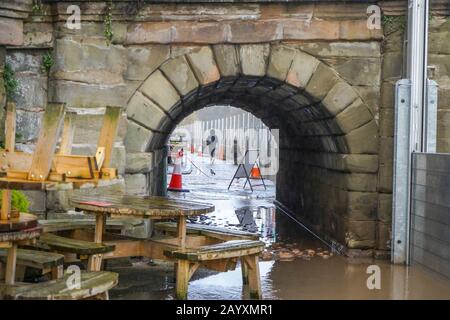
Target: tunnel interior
327, 135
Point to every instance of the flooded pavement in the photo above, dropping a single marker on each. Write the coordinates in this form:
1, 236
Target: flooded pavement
298, 266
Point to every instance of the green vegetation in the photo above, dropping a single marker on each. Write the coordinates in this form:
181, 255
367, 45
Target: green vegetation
108, 24
393, 23
19, 201
10, 80
47, 62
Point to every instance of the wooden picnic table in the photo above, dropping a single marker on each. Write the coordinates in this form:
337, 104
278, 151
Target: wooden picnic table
149, 207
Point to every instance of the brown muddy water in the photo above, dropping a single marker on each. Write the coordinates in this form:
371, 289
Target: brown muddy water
336, 277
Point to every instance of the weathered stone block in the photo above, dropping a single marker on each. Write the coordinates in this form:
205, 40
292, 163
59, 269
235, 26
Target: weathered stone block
137, 138
362, 206
385, 174
25, 61
358, 71
354, 116
89, 62
387, 120
339, 97
37, 201
149, 32
204, 66
245, 31
302, 68
371, 97
310, 30
385, 207
28, 125
38, 35
141, 162
227, 59
392, 65
31, 92
361, 234
254, 59
118, 158
388, 95
160, 90
363, 139
384, 235
11, 31
438, 42
357, 30
135, 184
280, 62
146, 113
361, 182
142, 61
386, 150
361, 163
180, 74
342, 49
80, 95
323, 79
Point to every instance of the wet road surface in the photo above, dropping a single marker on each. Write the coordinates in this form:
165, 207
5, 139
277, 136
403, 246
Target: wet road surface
314, 276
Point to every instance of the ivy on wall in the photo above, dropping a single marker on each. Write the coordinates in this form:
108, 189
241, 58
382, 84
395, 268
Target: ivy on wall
108, 24
10, 80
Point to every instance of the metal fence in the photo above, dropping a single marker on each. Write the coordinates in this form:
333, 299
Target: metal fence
430, 212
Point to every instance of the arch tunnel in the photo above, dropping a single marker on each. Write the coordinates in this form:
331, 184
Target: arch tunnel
328, 146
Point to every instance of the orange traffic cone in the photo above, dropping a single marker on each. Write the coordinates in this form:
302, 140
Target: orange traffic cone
200, 151
255, 173
192, 148
176, 183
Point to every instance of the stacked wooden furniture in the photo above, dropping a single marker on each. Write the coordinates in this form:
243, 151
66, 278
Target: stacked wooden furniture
39, 171
189, 246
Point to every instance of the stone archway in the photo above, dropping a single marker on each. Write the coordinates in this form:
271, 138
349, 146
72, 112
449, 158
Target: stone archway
328, 136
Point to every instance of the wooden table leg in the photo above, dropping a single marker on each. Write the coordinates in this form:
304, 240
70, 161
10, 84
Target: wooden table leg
181, 232
181, 268
6, 204
95, 261
11, 259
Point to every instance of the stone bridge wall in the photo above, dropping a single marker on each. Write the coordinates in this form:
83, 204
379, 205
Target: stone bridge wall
343, 193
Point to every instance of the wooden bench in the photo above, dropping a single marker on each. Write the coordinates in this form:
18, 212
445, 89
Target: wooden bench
81, 248
94, 285
188, 261
47, 262
56, 225
207, 231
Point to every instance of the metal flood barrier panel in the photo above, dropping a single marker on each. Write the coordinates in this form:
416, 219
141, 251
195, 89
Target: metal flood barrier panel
430, 212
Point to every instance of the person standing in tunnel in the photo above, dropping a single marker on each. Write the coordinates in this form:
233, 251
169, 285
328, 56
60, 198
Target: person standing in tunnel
211, 142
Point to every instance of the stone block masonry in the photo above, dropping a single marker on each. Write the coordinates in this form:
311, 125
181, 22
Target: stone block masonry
313, 70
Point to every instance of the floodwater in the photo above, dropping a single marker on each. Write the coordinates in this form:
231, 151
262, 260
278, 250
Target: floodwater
317, 277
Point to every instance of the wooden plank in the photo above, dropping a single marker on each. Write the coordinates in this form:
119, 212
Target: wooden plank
22, 222
92, 284
254, 279
46, 144
182, 277
208, 231
10, 127
154, 207
35, 259
108, 132
229, 249
21, 235
19, 161
11, 257
6, 204
53, 225
63, 244
181, 232
100, 157
65, 146
79, 167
